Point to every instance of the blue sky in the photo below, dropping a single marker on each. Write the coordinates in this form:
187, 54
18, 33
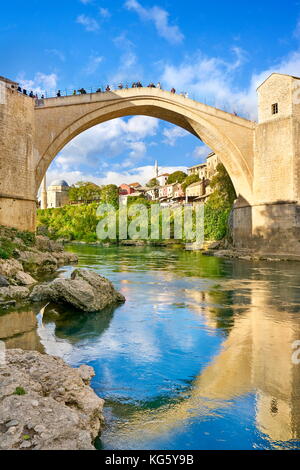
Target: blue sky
218, 52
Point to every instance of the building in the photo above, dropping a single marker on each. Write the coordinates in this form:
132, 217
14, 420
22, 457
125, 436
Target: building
212, 161
179, 194
207, 169
135, 186
153, 193
58, 194
162, 179
200, 170
125, 189
197, 191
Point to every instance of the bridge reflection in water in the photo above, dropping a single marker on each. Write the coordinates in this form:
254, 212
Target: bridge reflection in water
260, 322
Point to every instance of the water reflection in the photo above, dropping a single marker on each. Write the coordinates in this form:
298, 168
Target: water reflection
200, 356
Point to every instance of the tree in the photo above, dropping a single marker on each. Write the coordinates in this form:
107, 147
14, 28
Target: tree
84, 192
177, 177
223, 194
152, 183
190, 180
219, 205
110, 195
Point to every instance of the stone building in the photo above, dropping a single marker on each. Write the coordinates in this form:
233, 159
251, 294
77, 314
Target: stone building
58, 194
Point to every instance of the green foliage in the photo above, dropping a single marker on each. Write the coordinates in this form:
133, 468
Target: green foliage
190, 180
110, 195
224, 193
26, 437
9, 241
20, 391
4, 254
152, 183
84, 192
70, 222
177, 177
215, 222
137, 200
219, 205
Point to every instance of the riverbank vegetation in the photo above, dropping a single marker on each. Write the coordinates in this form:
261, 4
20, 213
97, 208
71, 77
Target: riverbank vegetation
79, 222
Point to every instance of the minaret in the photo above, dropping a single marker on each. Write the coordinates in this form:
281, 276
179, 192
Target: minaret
156, 169
44, 202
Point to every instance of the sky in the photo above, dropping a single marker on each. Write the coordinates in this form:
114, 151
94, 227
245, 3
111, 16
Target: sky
218, 52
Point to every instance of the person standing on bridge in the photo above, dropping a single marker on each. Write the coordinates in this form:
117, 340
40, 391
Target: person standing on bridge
107, 88
173, 91
58, 94
74, 92
121, 86
158, 86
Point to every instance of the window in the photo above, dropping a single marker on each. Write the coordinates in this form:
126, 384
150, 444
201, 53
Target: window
275, 108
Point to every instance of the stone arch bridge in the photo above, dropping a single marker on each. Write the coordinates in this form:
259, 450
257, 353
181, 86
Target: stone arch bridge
261, 158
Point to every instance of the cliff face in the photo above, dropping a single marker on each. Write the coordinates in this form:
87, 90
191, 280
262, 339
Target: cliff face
47, 405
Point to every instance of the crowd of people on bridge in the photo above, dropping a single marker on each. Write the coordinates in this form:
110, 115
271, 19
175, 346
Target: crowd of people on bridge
82, 91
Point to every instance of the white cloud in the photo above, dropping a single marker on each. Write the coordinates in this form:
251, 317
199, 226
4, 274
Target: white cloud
141, 174
90, 24
93, 64
40, 83
201, 152
172, 134
212, 80
108, 140
160, 19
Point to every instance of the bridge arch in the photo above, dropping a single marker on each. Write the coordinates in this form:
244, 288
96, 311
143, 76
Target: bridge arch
59, 120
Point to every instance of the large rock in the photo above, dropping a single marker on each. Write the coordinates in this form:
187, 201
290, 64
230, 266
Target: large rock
47, 405
3, 281
24, 279
38, 261
10, 267
86, 290
14, 293
45, 244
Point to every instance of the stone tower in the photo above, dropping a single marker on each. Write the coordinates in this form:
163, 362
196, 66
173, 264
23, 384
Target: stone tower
156, 169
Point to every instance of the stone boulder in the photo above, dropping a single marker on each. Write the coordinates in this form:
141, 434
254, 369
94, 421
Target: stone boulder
24, 279
86, 291
3, 281
14, 293
45, 244
37, 261
47, 405
10, 267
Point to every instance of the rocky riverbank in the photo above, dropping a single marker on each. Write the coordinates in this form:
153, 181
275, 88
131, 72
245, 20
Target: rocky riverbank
24, 259
47, 405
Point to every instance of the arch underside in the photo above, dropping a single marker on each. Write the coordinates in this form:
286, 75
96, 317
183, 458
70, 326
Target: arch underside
198, 124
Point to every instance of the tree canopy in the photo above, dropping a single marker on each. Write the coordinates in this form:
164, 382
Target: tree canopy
190, 180
152, 183
177, 177
223, 194
110, 195
84, 192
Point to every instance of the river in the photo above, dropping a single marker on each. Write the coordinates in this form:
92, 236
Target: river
199, 357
